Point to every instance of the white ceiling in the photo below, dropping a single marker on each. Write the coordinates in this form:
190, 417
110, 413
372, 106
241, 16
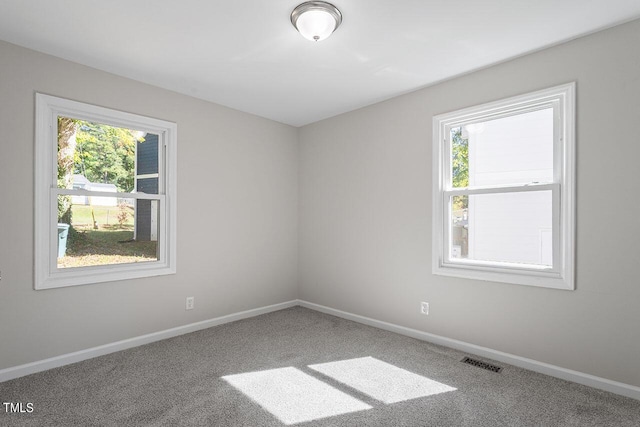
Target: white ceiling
247, 55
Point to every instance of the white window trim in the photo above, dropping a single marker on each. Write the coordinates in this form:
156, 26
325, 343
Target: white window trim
47, 275
562, 275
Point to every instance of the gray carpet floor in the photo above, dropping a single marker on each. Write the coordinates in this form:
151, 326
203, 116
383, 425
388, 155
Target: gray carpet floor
194, 379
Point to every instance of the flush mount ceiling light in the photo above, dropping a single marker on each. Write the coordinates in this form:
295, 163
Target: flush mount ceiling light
316, 20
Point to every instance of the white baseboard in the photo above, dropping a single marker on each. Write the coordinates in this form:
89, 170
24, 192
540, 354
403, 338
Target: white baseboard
522, 362
78, 356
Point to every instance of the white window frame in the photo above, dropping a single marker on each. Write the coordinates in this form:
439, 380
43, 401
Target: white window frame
561, 275
47, 274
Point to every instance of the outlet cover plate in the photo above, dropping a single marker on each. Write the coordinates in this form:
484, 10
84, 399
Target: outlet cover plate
424, 308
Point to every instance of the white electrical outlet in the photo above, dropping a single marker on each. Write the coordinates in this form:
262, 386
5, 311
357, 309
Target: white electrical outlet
190, 303
424, 308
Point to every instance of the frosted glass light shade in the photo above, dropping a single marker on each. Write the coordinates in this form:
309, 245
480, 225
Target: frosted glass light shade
316, 25
316, 20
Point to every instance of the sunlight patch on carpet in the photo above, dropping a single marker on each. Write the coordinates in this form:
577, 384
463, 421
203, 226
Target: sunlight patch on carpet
293, 396
380, 380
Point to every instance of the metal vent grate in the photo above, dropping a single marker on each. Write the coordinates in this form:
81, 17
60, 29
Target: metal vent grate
481, 364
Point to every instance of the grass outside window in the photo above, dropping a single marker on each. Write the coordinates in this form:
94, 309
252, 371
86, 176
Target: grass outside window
103, 235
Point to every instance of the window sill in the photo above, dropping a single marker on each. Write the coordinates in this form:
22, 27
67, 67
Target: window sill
110, 273
543, 279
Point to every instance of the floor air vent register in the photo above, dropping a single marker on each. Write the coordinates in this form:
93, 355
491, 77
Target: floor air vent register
481, 364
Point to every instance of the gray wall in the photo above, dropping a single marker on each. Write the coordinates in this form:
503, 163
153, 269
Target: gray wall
365, 214
237, 216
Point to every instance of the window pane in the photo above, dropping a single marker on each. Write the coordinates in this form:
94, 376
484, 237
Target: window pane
105, 231
507, 227
459, 158
509, 150
459, 227
99, 157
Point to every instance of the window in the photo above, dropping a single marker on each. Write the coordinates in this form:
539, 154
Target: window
105, 204
503, 192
